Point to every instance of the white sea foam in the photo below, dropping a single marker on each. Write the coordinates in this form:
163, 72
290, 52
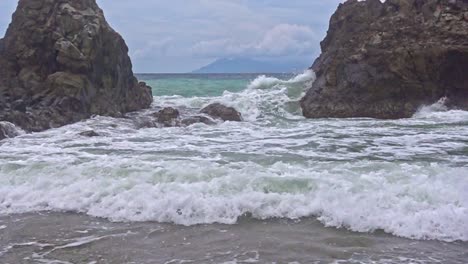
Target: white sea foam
264, 81
440, 112
407, 177
426, 204
439, 106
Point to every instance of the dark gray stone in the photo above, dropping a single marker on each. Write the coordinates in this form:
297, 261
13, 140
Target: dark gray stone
222, 112
90, 133
19, 105
167, 117
167, 114
197, 119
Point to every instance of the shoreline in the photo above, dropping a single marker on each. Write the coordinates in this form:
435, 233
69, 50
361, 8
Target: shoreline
76, 238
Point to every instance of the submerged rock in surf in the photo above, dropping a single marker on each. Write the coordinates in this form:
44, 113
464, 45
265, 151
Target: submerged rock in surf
222, 112
197, 119
90, 133
385, 60
61, 62
168, 116
144, 122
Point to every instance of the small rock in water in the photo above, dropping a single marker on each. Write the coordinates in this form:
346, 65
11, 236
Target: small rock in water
167, 116
197, 119
90, 133
145, 122
223, 112
8, 130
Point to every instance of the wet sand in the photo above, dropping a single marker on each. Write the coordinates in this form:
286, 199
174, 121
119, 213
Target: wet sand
75, 238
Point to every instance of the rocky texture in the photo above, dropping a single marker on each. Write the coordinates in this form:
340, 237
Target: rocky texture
385, 60
168, 117
61, 62
222, 112
8, 130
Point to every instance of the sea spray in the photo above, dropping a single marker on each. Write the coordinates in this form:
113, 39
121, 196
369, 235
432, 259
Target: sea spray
268, 98
9, 130
439, 111
266, 82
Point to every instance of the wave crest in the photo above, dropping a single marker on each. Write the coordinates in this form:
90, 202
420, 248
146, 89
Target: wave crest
263, 81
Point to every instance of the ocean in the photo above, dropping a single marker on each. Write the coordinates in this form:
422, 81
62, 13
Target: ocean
275, 188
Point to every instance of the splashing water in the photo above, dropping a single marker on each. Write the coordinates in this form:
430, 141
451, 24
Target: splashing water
8, 130
440, 112
263, 81
407, 177
264, 100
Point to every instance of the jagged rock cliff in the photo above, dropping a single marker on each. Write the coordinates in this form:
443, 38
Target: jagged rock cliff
61, 62
385, 60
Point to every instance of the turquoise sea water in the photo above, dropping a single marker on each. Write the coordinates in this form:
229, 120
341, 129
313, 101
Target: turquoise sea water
205, 85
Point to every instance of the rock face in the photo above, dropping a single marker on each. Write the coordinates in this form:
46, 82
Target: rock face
222, 112
385, 60
61, 62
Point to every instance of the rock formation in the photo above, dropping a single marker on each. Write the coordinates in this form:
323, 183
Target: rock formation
61, 62
385, 60
222, 112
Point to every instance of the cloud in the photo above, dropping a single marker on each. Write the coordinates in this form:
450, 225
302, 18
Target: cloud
153, 47
281, 40
286, 39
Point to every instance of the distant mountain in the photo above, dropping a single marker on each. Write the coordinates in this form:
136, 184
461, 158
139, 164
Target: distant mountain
244, 65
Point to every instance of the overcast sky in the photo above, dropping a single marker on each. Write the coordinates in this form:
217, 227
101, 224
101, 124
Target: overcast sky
182, 35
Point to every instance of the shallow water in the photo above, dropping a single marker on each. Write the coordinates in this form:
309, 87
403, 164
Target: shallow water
402, 178
72, 238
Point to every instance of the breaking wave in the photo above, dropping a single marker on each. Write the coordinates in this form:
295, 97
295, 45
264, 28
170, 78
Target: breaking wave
264, 81
265, 99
